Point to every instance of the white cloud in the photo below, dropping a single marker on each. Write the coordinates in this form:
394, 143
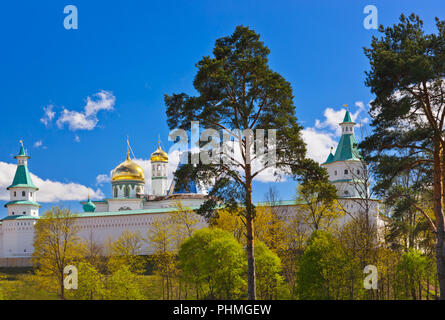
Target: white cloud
87, 119
48, 115
103, 178
38, 144
49, 191
76, 138
318, 144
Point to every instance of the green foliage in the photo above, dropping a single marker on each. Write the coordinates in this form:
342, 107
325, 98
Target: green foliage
21, 286
213, 262
320, 268
411, 272
126, 251
56, 245
2, 290
268, 268
91, 284
123, 284
318, 200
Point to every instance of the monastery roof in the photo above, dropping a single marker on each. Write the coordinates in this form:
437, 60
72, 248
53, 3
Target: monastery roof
26, 202
347, 117
20, 218
22, 178
347, 148
153, 211
129, 212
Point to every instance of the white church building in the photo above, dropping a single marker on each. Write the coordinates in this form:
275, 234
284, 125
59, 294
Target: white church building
131, 208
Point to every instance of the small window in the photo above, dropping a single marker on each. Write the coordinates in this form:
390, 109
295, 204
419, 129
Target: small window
346, 171
335, 172
346, 192
30, 194
23, 193
127, 191
115, 192
13, 213
358, 171
15, 194
24, 212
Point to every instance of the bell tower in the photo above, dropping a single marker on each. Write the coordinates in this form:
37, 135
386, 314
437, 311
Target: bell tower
159, 162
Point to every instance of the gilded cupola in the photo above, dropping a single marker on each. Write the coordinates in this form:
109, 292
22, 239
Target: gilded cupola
159, 155
128, 170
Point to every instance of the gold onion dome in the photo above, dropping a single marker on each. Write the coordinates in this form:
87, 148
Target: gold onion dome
159, 155
128, 170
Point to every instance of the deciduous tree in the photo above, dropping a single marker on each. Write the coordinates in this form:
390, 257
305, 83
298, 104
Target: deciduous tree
56, 245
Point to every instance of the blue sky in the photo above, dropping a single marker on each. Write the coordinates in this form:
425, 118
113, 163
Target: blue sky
134, 52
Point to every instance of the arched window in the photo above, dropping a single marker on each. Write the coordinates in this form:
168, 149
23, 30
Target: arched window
335, 172
115, 192
127, 192
15, 194
358, 171
346, 171
138, 190
23, 193
346, 192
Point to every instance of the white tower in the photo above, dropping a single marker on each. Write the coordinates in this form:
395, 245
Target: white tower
345, 167
23, 212
159, 162
22, 191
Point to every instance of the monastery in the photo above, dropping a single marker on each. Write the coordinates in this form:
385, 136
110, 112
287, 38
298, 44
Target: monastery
131, 208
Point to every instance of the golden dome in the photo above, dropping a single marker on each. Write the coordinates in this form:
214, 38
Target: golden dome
159, 155
128, 170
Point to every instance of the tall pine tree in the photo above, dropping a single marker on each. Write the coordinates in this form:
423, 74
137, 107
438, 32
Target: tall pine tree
237, 90
407, 78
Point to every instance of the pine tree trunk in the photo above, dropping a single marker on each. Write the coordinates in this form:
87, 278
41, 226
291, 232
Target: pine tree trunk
251, 281
438, 210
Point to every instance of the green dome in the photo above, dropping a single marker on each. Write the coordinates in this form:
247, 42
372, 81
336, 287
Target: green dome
89, 206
